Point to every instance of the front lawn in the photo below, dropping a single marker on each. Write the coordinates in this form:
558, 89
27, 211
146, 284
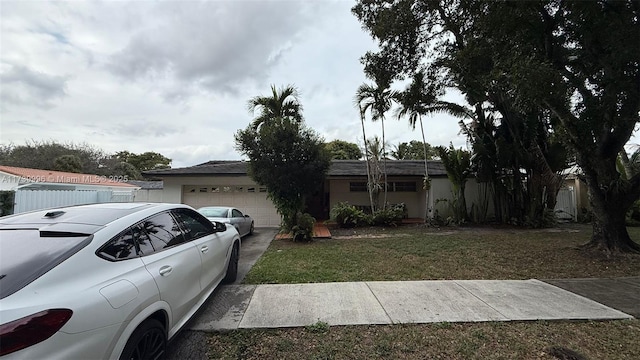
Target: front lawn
497, 340
420, 253
417, 253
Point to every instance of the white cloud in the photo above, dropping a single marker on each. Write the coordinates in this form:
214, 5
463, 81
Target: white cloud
174, 77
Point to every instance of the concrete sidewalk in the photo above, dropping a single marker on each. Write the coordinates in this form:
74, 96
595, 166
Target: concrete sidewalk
396, 302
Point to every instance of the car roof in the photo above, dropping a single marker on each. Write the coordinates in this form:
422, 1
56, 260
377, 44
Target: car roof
217, 207
80, 218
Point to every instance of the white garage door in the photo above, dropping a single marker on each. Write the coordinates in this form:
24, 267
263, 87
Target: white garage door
249, 199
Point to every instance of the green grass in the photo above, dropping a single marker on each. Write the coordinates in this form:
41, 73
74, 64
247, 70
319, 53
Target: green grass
498, 340
415, 253
418, 253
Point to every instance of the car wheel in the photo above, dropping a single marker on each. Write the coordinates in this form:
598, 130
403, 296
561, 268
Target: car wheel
232, 268
251, 229
148, 341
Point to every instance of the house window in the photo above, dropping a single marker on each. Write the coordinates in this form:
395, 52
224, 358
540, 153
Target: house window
215, 189
238, 189
251, 189
403, 186
263, 189
358, 186
203, 189
226, 188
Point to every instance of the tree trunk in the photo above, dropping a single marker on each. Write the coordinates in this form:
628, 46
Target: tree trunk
384, 166
462, 203
427, 181
610, 231
609, 207
366, 159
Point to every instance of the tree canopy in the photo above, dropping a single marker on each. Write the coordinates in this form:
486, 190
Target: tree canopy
145, 161
343, 150
538, 75
413, 150
80, 158
281, 104
286, 157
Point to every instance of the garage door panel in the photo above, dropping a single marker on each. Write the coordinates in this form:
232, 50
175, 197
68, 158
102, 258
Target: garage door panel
254, 203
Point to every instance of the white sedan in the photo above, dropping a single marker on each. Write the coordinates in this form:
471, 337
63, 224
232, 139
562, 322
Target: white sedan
229, 215
107, 281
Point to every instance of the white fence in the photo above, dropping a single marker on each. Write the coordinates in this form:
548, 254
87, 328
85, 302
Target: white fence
27, 200
566, 206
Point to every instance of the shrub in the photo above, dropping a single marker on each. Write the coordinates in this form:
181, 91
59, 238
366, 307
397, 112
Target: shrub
347, 215
303, 228
633, 215
391, 216
6, 202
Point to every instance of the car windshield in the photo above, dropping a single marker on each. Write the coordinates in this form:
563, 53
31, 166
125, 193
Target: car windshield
26, 254
214, 212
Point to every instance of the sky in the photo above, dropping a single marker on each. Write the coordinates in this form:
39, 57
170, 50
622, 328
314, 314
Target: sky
174, 77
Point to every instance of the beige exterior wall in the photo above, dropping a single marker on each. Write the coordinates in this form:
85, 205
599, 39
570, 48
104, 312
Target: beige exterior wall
235, 191
415, 201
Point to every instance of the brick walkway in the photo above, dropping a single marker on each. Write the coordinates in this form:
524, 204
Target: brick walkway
320, 231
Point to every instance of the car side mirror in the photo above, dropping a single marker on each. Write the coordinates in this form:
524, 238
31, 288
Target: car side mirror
245, 215
219, 227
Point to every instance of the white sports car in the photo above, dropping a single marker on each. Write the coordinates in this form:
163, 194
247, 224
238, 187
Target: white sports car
229, 215
107, 281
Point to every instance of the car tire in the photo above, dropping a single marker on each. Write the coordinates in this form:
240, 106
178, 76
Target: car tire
251, 229
232, 268
148, 341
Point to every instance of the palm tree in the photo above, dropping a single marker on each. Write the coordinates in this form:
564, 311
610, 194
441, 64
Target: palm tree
374, 149
282, 104
457, 162
366, 158
418, 99
378, 100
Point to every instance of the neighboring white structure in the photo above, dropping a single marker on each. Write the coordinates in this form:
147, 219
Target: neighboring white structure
149, 191
39, 189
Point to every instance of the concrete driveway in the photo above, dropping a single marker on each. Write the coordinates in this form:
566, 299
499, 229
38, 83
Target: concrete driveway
223, 304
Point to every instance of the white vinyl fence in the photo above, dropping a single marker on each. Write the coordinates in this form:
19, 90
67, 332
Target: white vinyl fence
566, 206
27, 200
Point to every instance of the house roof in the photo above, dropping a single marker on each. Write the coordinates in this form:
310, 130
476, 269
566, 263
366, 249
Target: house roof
147, 185
27, 175
394, 168
339, 168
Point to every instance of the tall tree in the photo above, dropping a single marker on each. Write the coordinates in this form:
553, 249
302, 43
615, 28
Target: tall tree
413, 150
145, 161
377, 99
457, 163
421, 97
551, 69
374, 149
43, 155
281, 104
343, 150
581, 61
366, 158
288, 158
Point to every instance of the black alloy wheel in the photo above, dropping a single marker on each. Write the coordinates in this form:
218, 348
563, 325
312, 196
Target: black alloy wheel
232, 269
148, 342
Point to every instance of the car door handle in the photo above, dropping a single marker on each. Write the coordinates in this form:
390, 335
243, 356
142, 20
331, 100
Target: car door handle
165, 270
204, 249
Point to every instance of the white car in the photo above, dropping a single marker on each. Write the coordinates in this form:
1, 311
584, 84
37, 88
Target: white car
107, 281
229, 215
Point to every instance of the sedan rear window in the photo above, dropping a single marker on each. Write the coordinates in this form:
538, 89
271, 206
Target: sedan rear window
214, 212
27, 254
